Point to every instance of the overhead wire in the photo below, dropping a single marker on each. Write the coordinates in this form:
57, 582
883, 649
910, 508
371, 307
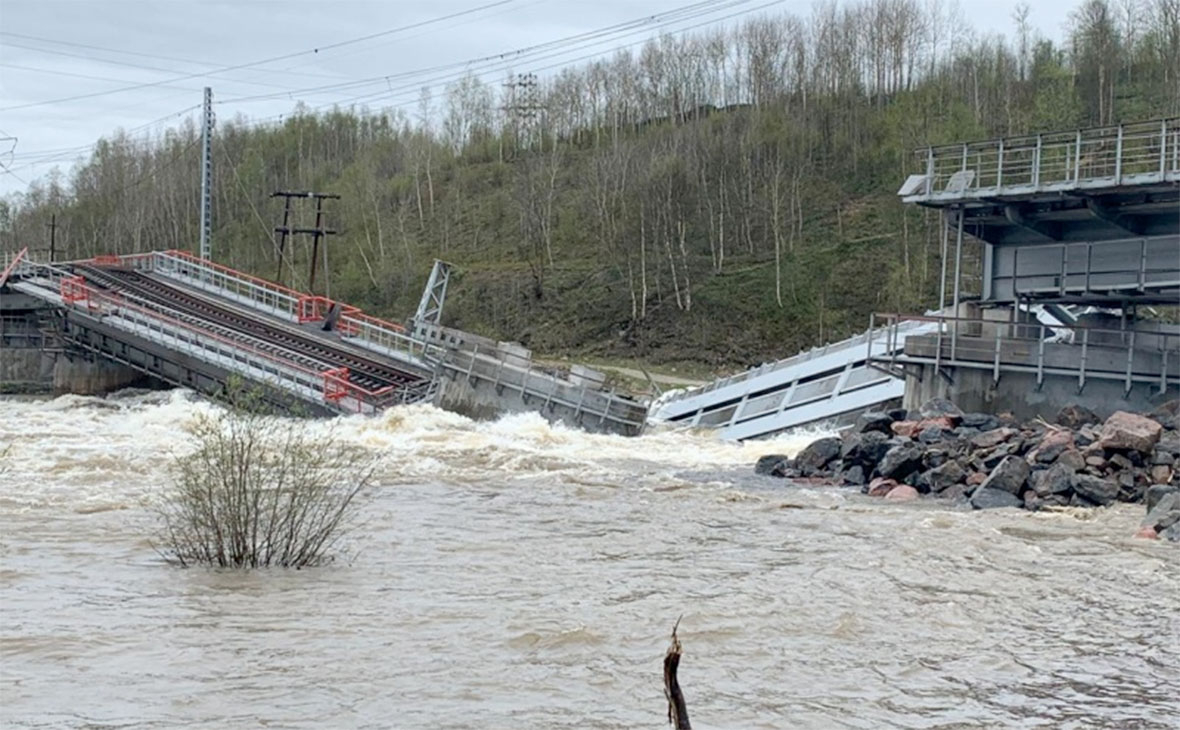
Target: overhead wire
264, 61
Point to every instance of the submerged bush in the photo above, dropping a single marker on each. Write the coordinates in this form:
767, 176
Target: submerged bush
259, 490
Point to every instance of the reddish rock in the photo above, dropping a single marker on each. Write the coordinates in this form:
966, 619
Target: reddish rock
1053, 444
904, 428
1130, 432
902, 492
976, 478
1096, 461
911, 429
1147, 533
1161, 474
881, 486
995, 437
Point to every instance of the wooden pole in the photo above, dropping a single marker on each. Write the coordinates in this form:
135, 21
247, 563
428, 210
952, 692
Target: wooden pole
677, 709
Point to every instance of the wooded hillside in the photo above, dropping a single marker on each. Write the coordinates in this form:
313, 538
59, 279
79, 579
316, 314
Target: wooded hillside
726, 197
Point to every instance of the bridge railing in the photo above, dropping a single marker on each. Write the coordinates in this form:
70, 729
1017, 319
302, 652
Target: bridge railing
1112, 155
1132, 355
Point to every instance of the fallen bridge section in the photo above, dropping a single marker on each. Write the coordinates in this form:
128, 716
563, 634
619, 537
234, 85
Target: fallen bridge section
141, 311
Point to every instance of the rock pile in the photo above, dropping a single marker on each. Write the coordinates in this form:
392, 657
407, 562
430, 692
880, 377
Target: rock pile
997, 461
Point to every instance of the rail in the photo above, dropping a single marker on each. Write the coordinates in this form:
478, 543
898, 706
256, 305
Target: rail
1100, 156
967, 342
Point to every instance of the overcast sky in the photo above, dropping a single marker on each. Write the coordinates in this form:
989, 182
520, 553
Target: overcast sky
81, 55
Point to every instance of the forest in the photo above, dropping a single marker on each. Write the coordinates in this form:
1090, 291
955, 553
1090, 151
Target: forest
721, 197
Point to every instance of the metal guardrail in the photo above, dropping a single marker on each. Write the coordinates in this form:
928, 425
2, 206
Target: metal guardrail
1079, 274
962, 342
1112, 155
531, 382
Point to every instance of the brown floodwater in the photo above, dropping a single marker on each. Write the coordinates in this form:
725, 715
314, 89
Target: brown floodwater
518, 575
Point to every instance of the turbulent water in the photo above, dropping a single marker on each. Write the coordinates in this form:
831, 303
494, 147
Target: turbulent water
519, 575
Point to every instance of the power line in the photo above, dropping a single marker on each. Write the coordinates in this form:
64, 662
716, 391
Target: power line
261, 62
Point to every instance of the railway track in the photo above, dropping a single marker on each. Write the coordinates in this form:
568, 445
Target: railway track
308, 350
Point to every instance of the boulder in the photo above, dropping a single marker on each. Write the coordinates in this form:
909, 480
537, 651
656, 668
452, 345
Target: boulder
1161, 473
987, 498
902, 492
1096, 460
816, 455
980, 421
1170, 442
1095, 489
873, 421
1073, 459
1167, 414
854, 475
992, 438
974, 479
1130, 432
880, 486
772, 465
1161, 457
1164, 514
1057, 479
864, 449
1157, 492
897, 414
1008, 476
1074, 417
941, 408
933, 434
935, 457
1118, 461
941, 477
1052, 445
1032, 502
900, 461
955, 492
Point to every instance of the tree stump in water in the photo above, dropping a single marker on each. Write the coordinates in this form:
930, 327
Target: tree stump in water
677, 710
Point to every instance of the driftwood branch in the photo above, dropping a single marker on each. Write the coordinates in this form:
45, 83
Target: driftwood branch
677, 710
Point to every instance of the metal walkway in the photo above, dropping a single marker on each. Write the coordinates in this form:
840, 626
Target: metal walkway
830, 383
196, 324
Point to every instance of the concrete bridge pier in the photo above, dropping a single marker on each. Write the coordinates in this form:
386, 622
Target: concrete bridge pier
83, 374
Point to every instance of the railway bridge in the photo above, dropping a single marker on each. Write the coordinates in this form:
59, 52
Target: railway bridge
196, 324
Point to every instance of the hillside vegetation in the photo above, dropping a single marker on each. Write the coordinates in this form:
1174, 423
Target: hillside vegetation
720, 198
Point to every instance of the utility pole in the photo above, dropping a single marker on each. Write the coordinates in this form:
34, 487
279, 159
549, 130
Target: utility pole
52, 237
316, 232
524, 103
207, 176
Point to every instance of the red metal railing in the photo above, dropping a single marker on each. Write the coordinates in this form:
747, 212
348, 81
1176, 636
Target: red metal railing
74, 289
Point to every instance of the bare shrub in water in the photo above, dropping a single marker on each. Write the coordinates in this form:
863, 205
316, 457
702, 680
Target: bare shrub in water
260, 491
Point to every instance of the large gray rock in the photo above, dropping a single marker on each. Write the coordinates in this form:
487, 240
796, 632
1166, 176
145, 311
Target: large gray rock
980, 421
818, 454
874, 421
1074, 417
864, 449
854, 475
941, 477
987, 498
1073, 459
1095, 489
1130, 432
1168, 414
900, 461
1057, 479
1164, 514
1170, 442
1156, 492
772, 465
1008, 476
940, 408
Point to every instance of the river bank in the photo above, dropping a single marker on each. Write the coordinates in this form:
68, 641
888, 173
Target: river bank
989, 462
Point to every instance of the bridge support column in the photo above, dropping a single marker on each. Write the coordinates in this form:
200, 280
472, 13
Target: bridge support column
83, 376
